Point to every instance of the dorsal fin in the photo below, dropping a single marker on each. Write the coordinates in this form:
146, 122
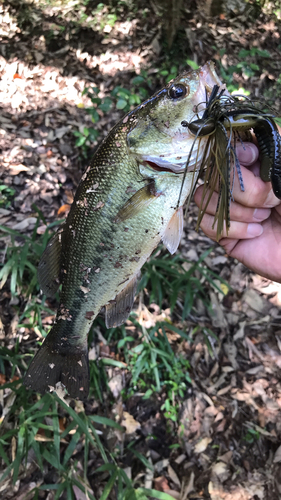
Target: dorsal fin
118, 310
50, 265
173, 232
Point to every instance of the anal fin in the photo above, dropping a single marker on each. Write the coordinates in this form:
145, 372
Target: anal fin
118, 310
50, 265
173, 232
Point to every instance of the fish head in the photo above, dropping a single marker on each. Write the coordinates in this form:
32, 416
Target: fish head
158, 135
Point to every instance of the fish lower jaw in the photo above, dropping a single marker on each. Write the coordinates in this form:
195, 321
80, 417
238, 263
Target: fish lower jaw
148, 166
175, 164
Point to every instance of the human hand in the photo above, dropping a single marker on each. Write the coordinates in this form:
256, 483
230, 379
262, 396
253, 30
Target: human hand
254, 236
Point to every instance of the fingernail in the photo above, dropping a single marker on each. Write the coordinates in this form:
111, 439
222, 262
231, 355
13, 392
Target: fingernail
254, 230
261, 213
271, 200
247, 153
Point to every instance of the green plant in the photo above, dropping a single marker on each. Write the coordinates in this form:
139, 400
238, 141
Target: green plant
57, 448
169, 72
22, 257
155, 367
251, 436
249, 64
122, 98
177, 279
7, 194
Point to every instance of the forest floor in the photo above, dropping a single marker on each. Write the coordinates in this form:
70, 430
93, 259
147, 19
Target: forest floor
226, 440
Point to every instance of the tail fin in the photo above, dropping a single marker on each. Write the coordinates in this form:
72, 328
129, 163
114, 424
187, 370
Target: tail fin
49, 367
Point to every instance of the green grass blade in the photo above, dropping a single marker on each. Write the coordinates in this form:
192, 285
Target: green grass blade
83, 427
142, 458
109, 486
56, 429
19, 454
59, 491
112, 362
7, 472
4, 455
105, 421
71, 447
155, 494
83, 489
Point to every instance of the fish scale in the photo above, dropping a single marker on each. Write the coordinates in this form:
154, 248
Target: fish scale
125, 204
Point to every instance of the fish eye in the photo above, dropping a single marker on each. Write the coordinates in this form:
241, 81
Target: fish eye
177, 91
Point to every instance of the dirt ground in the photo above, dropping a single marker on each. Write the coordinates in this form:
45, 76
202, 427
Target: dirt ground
230, 423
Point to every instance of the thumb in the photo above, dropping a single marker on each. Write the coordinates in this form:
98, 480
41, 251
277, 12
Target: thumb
247, 153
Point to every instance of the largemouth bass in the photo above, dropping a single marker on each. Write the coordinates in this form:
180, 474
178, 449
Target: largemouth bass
126, 203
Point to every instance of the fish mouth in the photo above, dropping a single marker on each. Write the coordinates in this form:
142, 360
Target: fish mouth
170, 163
159, 168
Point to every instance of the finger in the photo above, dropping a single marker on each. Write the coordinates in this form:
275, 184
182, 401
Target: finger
247, 153
237, 230
257, 193
238, 212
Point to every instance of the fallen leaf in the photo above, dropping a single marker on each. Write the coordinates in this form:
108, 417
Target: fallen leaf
226, 457
189, 487
220, 470
277, 456
174, 476
15, 169
130, 424
174, 494
60, 391
116, 385
159, 466
64, 209
255, 301
25, 223
161, 483
202, 445
62, 422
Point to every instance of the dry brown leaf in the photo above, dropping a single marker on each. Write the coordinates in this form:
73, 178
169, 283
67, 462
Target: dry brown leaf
202, 445
173, 476
130, 424
25, 224
161, 483
277, 456
64, 209
61, 392
15, 169
226, 457
116, 385
231, 352
217, 315
189, 487
174, 494
221, 471
255, 301
221, 426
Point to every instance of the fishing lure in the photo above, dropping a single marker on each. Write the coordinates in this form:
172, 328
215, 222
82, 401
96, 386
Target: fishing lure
224, 119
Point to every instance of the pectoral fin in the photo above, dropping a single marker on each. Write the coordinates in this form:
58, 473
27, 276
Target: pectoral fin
50, 265
173, 232
119, 309
139, 201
